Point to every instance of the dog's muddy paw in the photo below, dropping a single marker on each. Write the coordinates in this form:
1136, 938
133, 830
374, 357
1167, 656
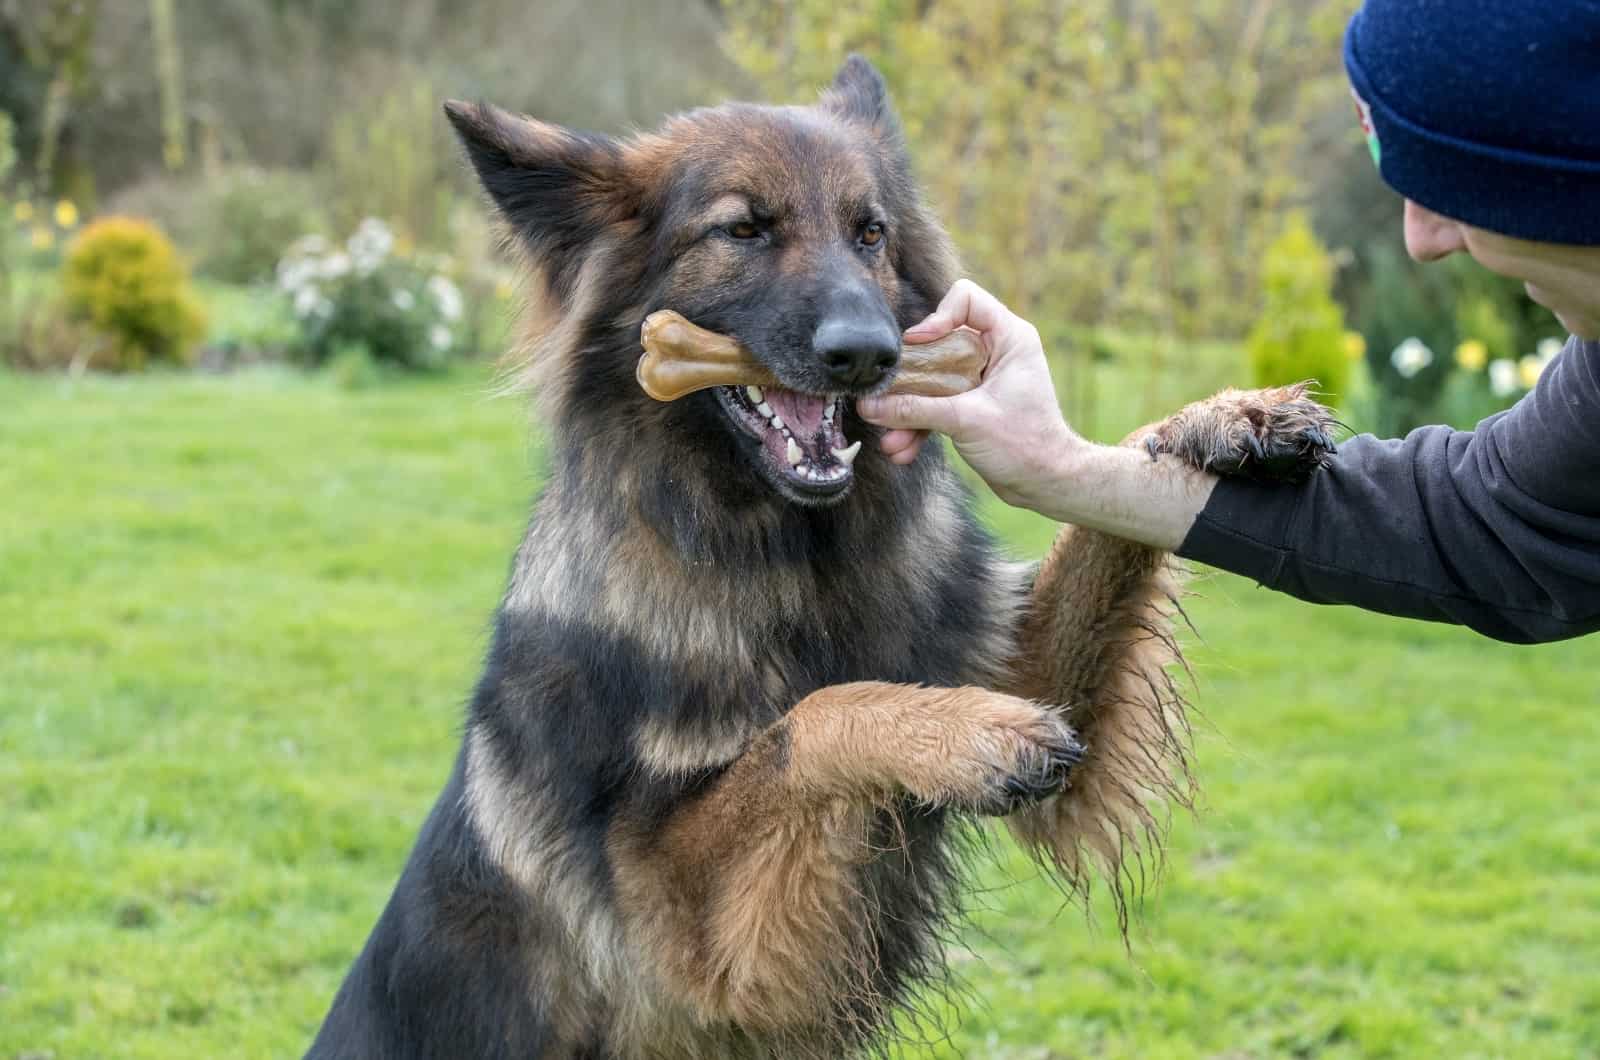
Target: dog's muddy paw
1274, 435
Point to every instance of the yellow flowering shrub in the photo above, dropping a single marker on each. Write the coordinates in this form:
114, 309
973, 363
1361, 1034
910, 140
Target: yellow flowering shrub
126, 280
1300, 334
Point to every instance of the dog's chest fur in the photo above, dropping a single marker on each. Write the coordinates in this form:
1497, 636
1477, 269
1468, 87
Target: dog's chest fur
734, 629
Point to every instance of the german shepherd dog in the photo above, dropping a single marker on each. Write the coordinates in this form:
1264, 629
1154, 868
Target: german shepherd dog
740, 709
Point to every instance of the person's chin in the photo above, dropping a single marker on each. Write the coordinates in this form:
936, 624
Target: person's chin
1586, 328
1584, 325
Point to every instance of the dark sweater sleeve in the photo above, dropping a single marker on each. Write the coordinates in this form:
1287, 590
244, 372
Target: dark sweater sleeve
1497, 528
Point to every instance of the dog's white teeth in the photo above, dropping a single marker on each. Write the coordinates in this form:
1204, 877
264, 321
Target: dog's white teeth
777, 422
754, 394
763, 408
847, 455
827, 413
796, 457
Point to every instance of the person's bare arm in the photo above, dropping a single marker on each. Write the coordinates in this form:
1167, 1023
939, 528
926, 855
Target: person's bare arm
1010, 429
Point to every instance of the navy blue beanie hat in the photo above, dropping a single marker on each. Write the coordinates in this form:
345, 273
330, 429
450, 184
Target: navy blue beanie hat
1485, 111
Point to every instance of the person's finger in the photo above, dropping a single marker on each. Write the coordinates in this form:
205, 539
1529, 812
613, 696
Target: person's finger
909, 453
894, 441
911, 412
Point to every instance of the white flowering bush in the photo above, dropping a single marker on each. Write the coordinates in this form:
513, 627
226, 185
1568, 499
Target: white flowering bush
364, 295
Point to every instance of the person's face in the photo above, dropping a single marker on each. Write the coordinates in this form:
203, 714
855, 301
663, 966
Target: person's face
1564, 279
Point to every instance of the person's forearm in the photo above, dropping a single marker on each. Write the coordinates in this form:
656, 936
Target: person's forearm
1123, 492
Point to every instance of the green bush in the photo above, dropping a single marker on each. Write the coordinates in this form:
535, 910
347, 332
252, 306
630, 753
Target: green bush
405, 311
1300, 334
1448, 342
125, 279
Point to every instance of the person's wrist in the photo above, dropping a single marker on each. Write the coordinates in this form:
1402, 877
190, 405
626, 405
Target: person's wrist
1052, 464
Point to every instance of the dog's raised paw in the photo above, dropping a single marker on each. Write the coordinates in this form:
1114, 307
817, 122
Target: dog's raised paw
1279, 434
988, 753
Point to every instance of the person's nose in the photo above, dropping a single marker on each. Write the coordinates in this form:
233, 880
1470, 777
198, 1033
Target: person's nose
1430, 236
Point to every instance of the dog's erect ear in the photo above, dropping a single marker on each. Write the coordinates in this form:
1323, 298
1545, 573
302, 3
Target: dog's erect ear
558, 189
858, 93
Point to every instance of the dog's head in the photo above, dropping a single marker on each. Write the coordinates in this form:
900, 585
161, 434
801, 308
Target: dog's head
797, 230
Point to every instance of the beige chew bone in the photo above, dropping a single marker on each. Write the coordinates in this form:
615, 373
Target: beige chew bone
681, 358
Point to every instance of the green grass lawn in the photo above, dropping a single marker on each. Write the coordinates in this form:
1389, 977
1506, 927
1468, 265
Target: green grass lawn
240, 617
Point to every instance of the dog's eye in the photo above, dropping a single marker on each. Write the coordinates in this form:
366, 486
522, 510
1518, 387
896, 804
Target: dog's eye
872, 235
744, 230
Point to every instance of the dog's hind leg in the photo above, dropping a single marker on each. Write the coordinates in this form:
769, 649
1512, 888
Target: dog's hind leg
750, 897
1098, 638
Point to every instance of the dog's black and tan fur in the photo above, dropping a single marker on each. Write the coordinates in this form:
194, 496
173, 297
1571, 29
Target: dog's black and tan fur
714, 773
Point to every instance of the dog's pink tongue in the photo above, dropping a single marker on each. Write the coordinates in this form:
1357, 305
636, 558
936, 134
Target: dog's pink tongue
802, 412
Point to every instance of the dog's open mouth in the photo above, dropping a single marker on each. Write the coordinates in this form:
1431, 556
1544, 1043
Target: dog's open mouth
801, 435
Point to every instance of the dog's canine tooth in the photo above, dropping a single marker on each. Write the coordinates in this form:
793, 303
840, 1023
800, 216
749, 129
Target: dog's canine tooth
847, 455
754, 394
794, 454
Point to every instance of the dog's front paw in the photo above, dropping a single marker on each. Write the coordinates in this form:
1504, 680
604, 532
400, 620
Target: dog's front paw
1274, 435
989, 753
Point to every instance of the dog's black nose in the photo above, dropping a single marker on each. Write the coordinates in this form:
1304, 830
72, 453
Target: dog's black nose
856, 353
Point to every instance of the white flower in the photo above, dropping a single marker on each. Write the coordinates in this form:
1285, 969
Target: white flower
306, 300
403, 299
447, 296
334, 265
1549, 348
294, 273
1503, 377
439, 335
1411, 357
369, 245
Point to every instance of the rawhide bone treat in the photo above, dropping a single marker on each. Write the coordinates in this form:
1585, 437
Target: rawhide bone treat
680, 358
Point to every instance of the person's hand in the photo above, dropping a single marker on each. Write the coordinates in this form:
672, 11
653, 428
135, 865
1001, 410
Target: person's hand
1009, 428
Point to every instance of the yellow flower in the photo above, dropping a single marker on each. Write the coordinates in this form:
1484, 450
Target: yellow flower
23, 211
1528, 371
1355, 347
66, 214
1472, 355
41, 238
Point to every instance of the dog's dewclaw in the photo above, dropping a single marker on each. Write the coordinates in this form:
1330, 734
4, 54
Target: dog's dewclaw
680, 358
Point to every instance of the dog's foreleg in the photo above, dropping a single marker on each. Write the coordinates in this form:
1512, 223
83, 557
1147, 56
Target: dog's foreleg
746, 895
1098, 638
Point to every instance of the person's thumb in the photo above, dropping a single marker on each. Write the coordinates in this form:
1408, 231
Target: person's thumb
910, 412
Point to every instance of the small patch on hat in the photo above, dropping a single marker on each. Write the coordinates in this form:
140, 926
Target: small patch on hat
1364, 115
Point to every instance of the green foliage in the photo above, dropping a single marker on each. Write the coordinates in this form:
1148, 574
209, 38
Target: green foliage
8, 150
8, 161
237, 640
249, 214
234, 222
1448, 342
391, 156
1300, 334
124, 278
402, 310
